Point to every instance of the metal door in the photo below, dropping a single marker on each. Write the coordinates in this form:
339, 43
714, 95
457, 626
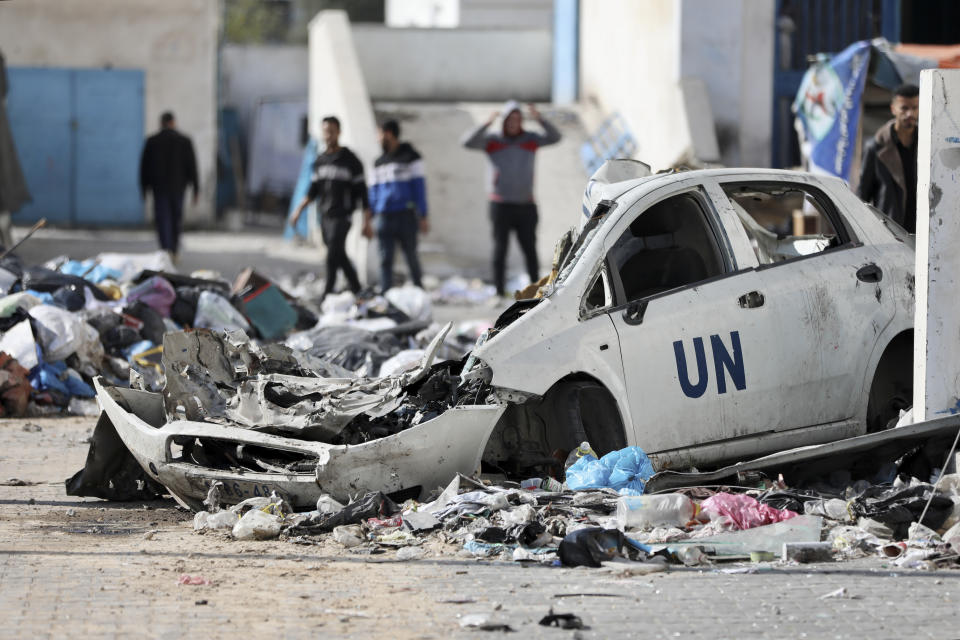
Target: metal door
108, 140
39, 106
79, 133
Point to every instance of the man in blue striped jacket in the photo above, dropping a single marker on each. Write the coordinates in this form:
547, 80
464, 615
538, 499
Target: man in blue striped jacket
398, 203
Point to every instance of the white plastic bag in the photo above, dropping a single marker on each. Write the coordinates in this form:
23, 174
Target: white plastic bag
19, 343
61, 332
404, 361
413, 301
216, 312
257, 525
204, 520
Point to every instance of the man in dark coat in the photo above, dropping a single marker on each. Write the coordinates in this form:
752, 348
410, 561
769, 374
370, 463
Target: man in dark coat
888, 175
167, 166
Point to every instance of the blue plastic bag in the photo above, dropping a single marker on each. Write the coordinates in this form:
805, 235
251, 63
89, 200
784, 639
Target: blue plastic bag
626, 471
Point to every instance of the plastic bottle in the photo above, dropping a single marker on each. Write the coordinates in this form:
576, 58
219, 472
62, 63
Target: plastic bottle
663, 510
583, 450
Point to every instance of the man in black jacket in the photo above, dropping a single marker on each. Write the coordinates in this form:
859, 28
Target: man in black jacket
167, 167
888, 175
339, 187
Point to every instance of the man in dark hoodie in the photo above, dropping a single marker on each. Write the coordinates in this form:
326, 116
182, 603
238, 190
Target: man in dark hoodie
338, 187
167, 167
888, 175
510, 156
398, 204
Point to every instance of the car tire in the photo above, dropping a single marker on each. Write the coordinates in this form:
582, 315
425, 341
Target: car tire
585, 411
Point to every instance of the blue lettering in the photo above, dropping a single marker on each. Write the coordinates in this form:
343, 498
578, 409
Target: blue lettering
689, 389
733, 365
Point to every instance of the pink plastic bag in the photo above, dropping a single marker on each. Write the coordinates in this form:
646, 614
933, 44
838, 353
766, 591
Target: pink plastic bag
155, 292
744, 511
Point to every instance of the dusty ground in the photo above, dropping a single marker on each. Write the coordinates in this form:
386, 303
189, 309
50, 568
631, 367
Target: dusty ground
76, 567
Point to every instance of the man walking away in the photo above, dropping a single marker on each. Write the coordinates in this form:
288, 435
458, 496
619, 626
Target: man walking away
510, 156
167, 166
888, 176
398, 200
338, 187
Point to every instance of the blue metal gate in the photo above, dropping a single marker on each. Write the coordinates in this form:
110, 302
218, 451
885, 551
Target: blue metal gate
805, 28
79, 133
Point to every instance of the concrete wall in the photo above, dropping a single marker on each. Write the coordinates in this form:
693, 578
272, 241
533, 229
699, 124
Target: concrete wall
455, 64
732, 53
173, 42
443, 14
629, 56
666, 65
498, 14
250, 73
460, 232
337, 87
936, 380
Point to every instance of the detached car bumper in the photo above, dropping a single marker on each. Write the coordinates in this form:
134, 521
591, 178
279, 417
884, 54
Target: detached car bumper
421, 458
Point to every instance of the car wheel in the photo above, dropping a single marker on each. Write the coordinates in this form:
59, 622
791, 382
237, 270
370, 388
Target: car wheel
587, 411
892, 388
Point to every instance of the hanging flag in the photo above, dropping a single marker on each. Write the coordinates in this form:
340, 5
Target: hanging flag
828, 105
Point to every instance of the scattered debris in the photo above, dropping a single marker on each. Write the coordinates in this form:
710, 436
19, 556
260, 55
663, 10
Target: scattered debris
562, 620
194, 581
484, 622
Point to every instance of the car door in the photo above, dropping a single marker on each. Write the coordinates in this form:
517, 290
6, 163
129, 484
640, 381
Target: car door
695, 335
824, 288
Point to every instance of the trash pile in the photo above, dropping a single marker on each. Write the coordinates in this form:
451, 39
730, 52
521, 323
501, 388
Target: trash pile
66, 322
911, 523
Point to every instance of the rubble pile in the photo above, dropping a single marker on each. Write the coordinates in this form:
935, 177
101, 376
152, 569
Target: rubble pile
545, 522
67, 322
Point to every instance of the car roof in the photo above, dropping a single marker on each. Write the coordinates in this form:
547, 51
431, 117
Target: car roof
615, 190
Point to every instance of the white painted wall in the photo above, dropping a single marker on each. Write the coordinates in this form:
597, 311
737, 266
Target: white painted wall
455, 64
510, 14
422, 13
337, 87
460, 232
728, 44
174, 42
936, 385
666, 65
251, 73
629, 56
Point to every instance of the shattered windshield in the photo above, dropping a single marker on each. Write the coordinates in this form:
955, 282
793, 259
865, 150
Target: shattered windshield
586, 236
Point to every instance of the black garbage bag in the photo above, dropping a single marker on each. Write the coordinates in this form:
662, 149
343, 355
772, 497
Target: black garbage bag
104, 321
15, 318
153, 327
120, 336
591, 546
70, 297
372, 505
899, 507
111, 472
48, 280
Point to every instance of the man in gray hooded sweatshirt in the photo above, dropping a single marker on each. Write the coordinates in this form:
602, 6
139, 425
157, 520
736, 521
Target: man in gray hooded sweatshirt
510, 156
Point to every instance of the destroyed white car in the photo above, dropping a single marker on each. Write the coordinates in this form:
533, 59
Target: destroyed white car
704, 316
708, 316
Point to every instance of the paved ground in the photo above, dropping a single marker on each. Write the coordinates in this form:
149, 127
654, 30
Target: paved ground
76, 567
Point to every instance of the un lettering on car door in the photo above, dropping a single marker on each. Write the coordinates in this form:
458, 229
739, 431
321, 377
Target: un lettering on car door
725, 362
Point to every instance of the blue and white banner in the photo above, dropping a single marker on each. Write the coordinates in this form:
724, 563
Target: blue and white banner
829, 106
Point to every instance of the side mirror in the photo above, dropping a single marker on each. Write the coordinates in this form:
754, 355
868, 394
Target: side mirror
634, 312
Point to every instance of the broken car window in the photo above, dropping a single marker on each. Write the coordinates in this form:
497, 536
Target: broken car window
783, 221
669, 245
